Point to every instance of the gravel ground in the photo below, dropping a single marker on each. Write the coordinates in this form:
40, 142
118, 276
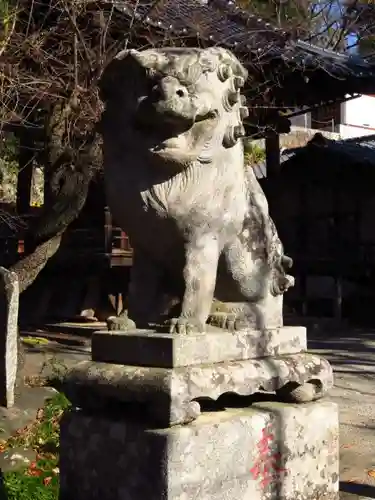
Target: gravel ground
352, 354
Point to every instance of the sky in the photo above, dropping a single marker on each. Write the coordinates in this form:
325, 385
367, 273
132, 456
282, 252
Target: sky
335, 9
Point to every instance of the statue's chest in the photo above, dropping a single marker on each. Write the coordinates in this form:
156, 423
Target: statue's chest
170, 208
142, 215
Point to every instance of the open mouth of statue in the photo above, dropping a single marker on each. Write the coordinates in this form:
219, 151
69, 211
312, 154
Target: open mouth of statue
174, 128
151, 117
175, 118
164, 125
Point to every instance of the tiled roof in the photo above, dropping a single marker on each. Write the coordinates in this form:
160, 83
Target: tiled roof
293, 73
219, 21
308, 76
225, 23
358, 150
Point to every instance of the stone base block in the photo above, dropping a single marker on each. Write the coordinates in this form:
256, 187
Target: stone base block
149, 348
269, 451
171, 396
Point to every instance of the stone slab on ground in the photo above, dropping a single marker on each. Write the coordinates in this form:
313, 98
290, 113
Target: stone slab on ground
266, 452
53, 357
29, 401
148, 348
16, 458
79, 329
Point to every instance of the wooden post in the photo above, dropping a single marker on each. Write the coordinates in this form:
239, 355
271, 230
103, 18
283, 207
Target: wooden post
338, 299
273, 154
108, 233
303, 244
338, 256
272, 167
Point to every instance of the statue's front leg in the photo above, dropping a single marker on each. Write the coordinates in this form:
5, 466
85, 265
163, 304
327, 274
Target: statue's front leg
202, 257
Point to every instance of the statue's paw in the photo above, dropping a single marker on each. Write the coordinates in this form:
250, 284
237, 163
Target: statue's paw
223, 320
281, 283
227, 321
286, 262
120, 323
185, 326
293, 392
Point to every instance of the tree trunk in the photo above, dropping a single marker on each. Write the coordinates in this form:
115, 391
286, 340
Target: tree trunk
28, 268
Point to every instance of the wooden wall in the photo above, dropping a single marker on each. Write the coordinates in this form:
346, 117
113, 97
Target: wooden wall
326, 220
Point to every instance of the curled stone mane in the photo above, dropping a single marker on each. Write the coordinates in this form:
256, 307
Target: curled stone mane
187, 66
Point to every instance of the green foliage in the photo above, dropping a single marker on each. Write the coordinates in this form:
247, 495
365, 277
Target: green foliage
254, 153
20, 486
8, 11
45, 429
40, 480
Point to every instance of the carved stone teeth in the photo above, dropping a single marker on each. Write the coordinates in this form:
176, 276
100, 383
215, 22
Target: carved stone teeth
244, 112
238, 82
242, 100
224, 72
233, 98
238, 131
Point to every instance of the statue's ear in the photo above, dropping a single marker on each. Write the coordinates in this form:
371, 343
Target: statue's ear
115, 77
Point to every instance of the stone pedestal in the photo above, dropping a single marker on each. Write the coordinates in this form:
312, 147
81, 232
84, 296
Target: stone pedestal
142, 430
270, 451
169, 374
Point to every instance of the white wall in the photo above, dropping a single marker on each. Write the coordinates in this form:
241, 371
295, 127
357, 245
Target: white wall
348, 131
358, 117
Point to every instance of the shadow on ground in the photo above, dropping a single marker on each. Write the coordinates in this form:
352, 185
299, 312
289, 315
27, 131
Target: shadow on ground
348, 350
357, 489
351, 352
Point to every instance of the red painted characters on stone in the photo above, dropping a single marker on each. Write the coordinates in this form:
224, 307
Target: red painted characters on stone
267, 468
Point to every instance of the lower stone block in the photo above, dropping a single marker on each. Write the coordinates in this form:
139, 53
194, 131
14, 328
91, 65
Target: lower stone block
269, 451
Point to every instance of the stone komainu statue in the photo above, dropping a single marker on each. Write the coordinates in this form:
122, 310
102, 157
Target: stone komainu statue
197, 219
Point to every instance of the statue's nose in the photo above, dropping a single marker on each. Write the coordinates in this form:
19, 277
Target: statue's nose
169, 88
